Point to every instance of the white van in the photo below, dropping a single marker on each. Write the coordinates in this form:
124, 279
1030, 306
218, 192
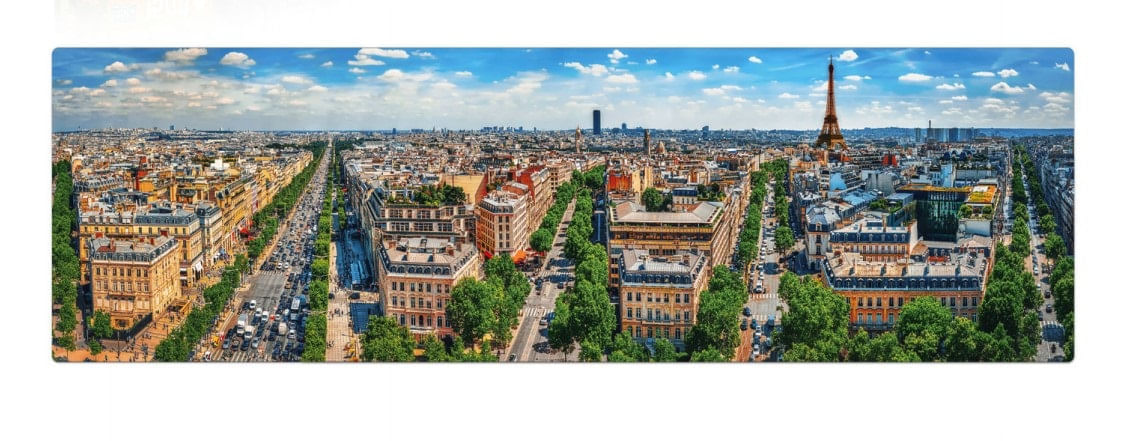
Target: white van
252, 304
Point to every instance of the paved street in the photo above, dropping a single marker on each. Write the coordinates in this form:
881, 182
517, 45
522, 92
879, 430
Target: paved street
1051, 348
531, 343
768, 271
288, 258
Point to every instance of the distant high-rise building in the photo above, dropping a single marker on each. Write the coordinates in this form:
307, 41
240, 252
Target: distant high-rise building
705, 130
596, 122
953, 136
917, 135
171, 127
624, 126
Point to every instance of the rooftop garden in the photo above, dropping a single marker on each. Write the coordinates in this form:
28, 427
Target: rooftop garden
885, 205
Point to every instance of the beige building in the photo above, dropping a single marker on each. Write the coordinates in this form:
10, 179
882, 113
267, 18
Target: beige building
131, 280
416, 276
659, 293
502, 225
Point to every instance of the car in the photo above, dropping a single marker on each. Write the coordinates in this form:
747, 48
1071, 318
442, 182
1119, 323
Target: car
227, 344
756, 351
1048, 308
560, 285
1047, 294
745, 324
543, 322
747, 312
512, 357
759, 289
246, 343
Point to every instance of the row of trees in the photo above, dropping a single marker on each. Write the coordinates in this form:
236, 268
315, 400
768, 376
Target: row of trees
542, 239
64, 261
716, 333
485, 310
266, 220
177, 346
747, 239
319, 292
1062, 278
583, 315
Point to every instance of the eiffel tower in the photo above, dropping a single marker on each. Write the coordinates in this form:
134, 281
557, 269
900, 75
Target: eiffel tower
830, 133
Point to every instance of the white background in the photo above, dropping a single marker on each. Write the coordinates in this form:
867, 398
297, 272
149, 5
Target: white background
1082, 400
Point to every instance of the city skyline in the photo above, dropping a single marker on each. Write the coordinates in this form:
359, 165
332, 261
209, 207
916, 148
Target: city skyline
557, 89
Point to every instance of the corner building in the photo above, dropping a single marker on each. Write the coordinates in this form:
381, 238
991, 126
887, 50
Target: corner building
133, 280
416, 276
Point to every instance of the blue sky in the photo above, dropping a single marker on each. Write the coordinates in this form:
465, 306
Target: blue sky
548, 88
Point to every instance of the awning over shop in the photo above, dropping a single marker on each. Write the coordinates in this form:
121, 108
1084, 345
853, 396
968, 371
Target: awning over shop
519, 256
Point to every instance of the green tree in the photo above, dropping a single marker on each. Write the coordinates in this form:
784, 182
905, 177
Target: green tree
816, 323
470, 312
590, 351
652, 199
921, 326
1064, 293
708, 355
629, 348
1047, 223
95, 347
665, 351
101, 327
542, 240
1069, 334
1054, 247
385, 340
885, 347
964, 342
434, 349
965, 211
783, 238
592, 314
561, 334
320, 269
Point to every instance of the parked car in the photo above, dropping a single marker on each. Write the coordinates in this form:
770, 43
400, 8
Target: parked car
745, 324
747, 312
1048, 308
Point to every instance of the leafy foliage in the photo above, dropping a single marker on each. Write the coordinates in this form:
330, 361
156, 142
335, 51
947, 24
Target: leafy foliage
653, 199
385, 340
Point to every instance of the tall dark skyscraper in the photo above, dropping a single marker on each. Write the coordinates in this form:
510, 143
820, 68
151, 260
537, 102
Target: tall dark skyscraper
596, 122
624, 126
917, 134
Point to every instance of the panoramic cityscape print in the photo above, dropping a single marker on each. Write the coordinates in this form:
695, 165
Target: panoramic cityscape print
562, 205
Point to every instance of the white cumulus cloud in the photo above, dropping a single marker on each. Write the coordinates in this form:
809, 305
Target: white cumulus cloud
848, 87
1005, 88
1005, 73
237, 59
650, 61
914, 78
753, 59
328, 64
1063, 66
424, 54
116, 67
848, 55
730, 69
788, 96
356, 70
595, 70
463, 73
317, 88
133, 81
716, 91
360, 59
615, 56
984, 74
387, 53
110, 83
185, 56
668, 76
948, 86
625, 78
857, 77
696, 75
959, 98
295, 79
